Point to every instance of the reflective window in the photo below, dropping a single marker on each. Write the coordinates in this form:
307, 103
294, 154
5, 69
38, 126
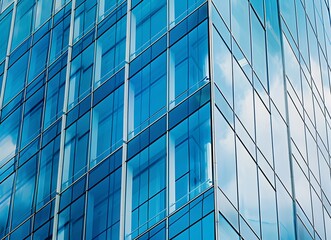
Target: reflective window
248, 187
240, 25
189, 64
47, 177
148, 22
60, 38
39, 56
225, 154
59, 4
5, 22
107, 126
103, 208
259, 60
55, 98
24, 191
85, 15
181, 8
6, 188
9, 130
81, 74
76, 150
16, 78
189, 158
43, 12
71, 220
23, 22
32, 117
110, 51
146, 188
106, 6
223, 67
147, 95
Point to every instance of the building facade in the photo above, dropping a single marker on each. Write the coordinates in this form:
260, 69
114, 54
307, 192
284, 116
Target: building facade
165, 119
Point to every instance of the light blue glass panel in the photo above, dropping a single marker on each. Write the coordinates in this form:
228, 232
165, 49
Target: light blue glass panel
5, 22
148, 22
5, 4
110, 51
9, 130
247, 186
240, 25
259, 60
6, 191
147, 95
103, 208
54, 98
190, 157
32, 117
222, 67
16, 78
39, 55
60, 38
146, 188
48, 168
107, 126
81, 74
76, 150
268, 209
23, 22
43, 12
285, 214
225, 155
24, 191
189, 66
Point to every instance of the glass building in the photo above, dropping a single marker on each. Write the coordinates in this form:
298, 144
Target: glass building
165, 119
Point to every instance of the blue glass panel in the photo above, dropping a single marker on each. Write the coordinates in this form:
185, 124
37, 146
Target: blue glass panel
23, 22
16, 78
24, 191
6, 188
107, 126
146, 188
39, 56
147, 95
5, 21
103, 209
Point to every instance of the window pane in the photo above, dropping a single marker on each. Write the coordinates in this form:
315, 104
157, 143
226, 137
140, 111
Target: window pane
84, 18
39, 56
60, 38
107, 126
106, 6
190, 159
103, 209
32, 117
23, 22
189, 64
76, 150
9, 130
25, 190
149, 21
47, 177
6, 189
181, 8
146, 188
43, 12
16, 78
54, 98
147, 95
81, 75
110, 52
4, 29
